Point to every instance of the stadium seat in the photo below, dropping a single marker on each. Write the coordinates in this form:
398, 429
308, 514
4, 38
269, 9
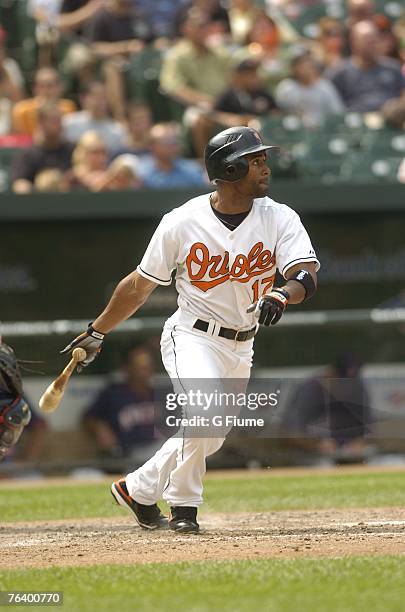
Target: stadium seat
285, 130
335, 124
372, 170
393, 9
326, 156
386, 143
306, 16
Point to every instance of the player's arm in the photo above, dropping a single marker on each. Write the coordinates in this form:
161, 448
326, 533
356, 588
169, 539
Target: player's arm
300, 285
298, 291
129, 295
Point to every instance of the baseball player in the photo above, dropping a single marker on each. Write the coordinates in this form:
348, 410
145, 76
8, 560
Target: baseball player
14, 411
225, 248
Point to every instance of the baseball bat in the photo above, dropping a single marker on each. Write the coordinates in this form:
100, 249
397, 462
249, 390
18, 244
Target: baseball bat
52, 396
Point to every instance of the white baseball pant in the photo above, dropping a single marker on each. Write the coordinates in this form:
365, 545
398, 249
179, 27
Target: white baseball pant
176, 470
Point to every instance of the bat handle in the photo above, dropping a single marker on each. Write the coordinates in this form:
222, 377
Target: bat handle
78, 355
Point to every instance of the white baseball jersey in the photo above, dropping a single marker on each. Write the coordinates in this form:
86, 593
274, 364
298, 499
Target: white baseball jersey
220, 272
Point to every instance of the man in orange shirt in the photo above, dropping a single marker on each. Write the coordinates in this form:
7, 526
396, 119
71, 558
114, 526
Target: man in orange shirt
47, 87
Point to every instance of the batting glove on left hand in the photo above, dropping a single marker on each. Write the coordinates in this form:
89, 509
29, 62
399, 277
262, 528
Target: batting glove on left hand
270, 308
91, 341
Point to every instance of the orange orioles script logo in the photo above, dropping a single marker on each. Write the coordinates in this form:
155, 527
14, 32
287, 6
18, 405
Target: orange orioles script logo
200, 263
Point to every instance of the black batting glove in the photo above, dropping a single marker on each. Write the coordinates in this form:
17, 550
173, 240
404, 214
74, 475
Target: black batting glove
270, 308
91, 341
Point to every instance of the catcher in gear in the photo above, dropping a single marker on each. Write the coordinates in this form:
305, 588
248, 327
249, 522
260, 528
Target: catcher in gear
14, 411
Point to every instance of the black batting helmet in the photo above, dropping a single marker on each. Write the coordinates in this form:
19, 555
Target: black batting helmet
225, 153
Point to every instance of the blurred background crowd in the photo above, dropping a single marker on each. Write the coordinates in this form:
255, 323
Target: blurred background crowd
106, 95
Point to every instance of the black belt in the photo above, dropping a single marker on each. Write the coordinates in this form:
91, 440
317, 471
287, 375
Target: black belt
226, 332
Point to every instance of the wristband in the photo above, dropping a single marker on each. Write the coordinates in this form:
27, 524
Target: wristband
282, 295
94, 333
305, 279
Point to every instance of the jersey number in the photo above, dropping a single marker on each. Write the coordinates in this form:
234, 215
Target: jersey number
265, 284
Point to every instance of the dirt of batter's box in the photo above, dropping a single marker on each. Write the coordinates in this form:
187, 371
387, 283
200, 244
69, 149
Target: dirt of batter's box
326, 533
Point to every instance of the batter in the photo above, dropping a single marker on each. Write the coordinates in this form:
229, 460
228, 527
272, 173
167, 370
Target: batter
224, 248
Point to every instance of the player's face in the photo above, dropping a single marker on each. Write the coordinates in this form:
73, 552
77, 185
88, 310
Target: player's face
256, 183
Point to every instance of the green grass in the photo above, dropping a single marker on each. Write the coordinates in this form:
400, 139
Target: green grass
248, 494
306, 585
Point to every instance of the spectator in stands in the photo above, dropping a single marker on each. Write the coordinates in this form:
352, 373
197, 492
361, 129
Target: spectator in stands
122, 175
78, 62
329, 415
215, 12
95, 117
121, 418
89, 163
51, 180
92, 172
157, 20
50, 151
329, 48
47, 87
112, 33
359, 10
306, 93
139, 126
11, 85
393, 112
79, 67
11, 78
74, 14
112, 30
399, 31
45, 13
389, 43
242, 15
195, 74
365, 81
246, 97
265, 43
164, 168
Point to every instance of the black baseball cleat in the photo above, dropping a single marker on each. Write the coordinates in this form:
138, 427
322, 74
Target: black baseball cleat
147, 517
183, 519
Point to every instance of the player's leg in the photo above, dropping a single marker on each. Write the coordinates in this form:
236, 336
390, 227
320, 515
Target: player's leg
175, 472
190, 353
185, 488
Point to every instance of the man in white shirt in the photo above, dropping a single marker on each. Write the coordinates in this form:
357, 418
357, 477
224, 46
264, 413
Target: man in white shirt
306, 93
225, 248
94, 117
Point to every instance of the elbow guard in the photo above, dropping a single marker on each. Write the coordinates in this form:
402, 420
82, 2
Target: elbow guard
305, 279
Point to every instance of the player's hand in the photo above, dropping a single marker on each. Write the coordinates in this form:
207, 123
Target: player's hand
270, 308
91, 341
